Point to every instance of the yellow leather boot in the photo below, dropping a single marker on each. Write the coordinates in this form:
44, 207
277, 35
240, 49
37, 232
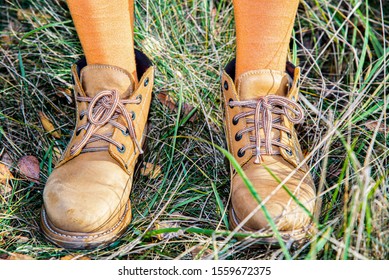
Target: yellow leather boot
260, 113
86, 197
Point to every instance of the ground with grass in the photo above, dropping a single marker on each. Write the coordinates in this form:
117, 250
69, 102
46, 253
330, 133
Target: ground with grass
341, 47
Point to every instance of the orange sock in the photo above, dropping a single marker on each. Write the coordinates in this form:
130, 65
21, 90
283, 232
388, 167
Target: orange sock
263, 30
105, 29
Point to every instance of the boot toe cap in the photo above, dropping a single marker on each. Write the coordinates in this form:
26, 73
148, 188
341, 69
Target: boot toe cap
282, 209
86, 201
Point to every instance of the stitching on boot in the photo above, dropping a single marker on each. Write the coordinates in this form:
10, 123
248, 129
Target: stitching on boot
100, 66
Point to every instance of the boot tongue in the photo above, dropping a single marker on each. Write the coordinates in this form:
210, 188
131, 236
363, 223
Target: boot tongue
254, 84
257, 83
96, 78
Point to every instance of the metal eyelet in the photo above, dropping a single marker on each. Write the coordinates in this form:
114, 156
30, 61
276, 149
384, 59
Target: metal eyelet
126, 132
82, 116
139, 98
241, 153
225, 85
133, 115
78, 131
238, 137
229, 103
146, 82
289, 152
122, 149
235, 121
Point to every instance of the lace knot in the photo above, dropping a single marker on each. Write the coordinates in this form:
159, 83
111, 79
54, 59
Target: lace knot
104, 108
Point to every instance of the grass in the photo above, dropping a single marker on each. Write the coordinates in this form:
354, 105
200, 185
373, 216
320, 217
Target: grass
341, 47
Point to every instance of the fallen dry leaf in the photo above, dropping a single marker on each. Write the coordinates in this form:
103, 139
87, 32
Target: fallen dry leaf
3, 237
200, 252
166, 100
48, 126
5, 189
166, 225
74, 257
6, 40
21, 239
17, 256
5, 174
372, 125
29, 168
187, 108
6, 159
169, 102
7, 37
30, 14
151, 170
7, 237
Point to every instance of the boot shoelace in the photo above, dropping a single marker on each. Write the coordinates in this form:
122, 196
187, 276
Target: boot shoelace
263, 110
105, 107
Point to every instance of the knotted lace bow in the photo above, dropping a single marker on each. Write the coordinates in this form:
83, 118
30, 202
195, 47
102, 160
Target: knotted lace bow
105, 107
263, 110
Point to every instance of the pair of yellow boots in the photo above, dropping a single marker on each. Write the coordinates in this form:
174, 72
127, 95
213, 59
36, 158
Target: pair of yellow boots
86, 198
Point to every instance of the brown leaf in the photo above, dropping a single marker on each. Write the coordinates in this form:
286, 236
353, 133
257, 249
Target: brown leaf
6, 40
166, 225
74, 257
3, 239
5, 189
21, 239
17, 256
200, 252
30, 14
7, 37
5, 174
372, 125
48, 126
29, 167
169, 102
7, 237
166, 100
151, 170
6, 159
187, 108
